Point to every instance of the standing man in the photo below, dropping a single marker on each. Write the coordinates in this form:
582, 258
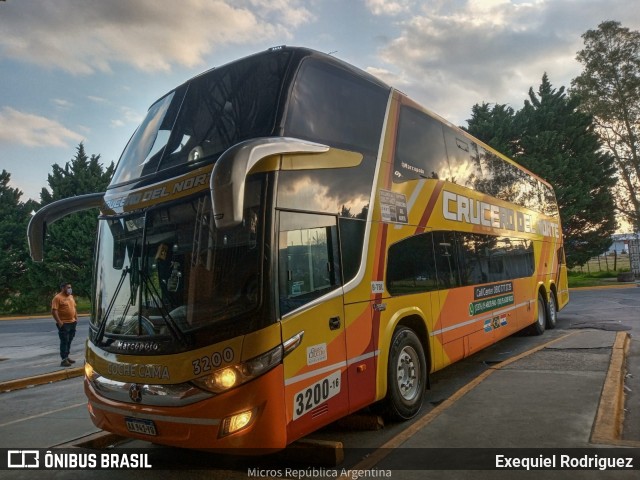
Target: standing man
63, 309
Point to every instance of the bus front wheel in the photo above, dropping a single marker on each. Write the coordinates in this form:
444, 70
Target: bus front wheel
406, 375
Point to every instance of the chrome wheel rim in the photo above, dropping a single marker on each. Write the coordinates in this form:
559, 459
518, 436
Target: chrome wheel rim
541, 308
408, 373
552, 309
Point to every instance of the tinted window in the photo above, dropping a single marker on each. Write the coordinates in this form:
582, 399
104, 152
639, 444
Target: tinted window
448, 258
146, 146
420, 149
479, 169
334, 106
464, 161
225, 106
308, 258
351, 245
549, 204
443, 260
411, 267
491, 259
207, 115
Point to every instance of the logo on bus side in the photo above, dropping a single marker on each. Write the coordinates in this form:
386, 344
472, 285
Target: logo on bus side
156, 192
459, 208
495, 322
317, 354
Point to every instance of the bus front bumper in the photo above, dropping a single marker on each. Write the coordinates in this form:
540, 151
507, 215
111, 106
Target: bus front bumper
249, 419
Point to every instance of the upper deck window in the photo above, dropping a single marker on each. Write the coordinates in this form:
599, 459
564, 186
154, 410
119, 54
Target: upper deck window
209, 114
334, 106
420, 147
147, 143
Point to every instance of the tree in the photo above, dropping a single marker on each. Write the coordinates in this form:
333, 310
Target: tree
70, 241
14, 216
494, 126
558, 143
610, 90
551, 137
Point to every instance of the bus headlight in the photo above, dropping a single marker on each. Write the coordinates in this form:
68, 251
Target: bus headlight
237, 422
226, 378
89, 372
231, 376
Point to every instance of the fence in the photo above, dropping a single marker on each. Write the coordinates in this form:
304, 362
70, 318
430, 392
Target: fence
613, 262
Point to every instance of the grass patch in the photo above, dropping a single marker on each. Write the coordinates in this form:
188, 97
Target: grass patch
83, 304
595, 279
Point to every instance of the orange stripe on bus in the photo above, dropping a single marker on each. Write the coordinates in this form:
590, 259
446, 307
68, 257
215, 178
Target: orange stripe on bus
430, 206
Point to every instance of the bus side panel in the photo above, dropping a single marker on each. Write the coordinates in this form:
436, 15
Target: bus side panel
315, 383
362, 361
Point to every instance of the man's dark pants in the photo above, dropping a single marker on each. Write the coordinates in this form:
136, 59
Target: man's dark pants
66, 334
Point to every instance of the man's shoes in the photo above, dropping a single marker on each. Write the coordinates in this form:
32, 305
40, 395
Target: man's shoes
71, 360
65, 363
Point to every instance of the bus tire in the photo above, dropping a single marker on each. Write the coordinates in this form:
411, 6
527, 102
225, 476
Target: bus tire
538, 327
406, 375
552, 311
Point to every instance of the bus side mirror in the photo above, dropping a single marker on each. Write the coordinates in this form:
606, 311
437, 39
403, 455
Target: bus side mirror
55, 211
230, 172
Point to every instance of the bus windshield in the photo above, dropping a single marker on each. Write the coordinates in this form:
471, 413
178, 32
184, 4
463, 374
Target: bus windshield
169, 272
205, 116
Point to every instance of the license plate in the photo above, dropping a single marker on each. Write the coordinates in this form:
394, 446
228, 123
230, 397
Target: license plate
139, 425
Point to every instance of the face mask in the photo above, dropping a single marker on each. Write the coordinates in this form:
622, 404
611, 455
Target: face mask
69, 291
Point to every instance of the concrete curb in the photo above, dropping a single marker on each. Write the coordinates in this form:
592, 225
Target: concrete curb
607, 428
26, 317
38, 317
21, 383
606, 287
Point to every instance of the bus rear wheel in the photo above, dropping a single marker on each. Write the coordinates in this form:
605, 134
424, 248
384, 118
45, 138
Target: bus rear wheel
541, 317
406, 375
552, 311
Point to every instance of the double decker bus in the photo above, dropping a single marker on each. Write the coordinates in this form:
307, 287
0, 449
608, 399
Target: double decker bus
287, 240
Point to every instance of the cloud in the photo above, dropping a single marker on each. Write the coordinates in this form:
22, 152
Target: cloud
62, 103
88, 36
128, 116
461, 53
33, 131
389, 7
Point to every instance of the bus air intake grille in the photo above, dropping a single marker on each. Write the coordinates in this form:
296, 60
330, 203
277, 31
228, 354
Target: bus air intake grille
321, 410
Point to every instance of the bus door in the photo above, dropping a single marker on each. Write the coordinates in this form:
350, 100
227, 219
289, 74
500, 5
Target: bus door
313, 321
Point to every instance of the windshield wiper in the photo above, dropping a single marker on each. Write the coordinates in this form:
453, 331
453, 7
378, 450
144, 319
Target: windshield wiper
103, 322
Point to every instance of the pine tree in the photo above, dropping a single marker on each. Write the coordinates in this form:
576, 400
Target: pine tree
14, 216
494, 126
70, 241
559, 144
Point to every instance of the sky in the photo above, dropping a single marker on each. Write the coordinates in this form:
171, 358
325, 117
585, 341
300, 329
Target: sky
86, 71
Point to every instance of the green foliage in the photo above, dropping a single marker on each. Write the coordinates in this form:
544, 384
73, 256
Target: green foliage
69, 242
551, 137
494, 126
609, 87
14, 217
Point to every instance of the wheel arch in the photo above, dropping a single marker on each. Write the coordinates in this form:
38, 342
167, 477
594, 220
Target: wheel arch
412, 318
